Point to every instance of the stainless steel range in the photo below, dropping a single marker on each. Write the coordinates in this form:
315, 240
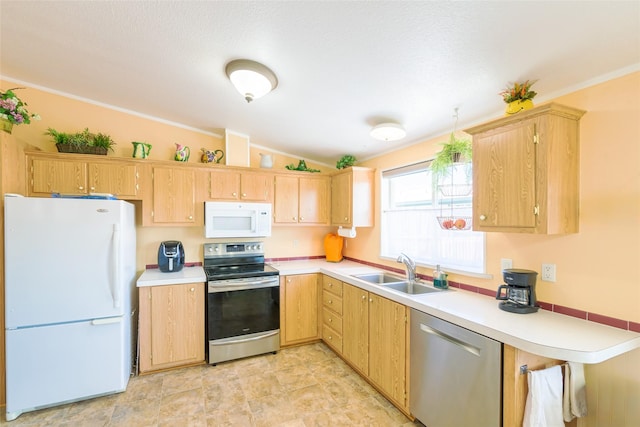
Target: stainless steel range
243, 301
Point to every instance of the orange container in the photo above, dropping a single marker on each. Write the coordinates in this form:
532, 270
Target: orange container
333, 247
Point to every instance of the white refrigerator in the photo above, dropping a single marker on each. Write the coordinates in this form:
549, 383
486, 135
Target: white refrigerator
69, 300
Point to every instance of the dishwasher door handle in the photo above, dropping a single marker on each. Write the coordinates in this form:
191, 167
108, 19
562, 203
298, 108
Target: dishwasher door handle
465, 346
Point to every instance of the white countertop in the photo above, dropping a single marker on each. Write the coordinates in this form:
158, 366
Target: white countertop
155, 277
544, 333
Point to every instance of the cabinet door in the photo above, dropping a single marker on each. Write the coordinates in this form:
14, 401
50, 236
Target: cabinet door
301, 304
504, 177
225, 185
314, 200
514, 384
341, 199
58, 176
387, 346
119, 180
173, 196
285, 206
355, 327
256, 187
171, 326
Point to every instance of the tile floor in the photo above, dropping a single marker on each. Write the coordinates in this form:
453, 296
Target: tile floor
297, 387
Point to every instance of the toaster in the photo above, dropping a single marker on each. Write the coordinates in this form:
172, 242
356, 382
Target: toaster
170, 256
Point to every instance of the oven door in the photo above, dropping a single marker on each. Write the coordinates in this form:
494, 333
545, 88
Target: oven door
243, 317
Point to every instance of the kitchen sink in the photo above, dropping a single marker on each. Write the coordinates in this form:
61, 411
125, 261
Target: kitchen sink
380, 278
412, 288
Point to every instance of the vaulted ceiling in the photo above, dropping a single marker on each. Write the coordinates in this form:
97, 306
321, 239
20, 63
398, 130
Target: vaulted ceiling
342, 66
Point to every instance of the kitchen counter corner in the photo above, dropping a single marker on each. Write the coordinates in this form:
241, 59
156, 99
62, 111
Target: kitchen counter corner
155, 277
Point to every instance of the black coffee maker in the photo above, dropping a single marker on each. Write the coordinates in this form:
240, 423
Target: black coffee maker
519, 293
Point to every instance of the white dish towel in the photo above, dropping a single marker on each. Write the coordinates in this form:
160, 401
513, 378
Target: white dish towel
544, 401
574, 403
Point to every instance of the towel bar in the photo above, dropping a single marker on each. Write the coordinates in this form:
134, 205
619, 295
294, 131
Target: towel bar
524, 368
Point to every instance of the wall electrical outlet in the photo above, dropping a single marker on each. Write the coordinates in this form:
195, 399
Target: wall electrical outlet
506, 263
548, 272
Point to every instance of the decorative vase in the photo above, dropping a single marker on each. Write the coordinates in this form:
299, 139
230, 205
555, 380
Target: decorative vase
6, 125
211, 156
182, 153
141, 150
518, 105
266, 161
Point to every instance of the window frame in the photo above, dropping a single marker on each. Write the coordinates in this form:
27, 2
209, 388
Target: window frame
477, 239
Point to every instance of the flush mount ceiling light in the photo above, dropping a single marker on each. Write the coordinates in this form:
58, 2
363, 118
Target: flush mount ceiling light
388, 132
252, 79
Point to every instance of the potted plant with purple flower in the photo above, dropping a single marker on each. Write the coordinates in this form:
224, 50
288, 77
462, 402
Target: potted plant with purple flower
13, 111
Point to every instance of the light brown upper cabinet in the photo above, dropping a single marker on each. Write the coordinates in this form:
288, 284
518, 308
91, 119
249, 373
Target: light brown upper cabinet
301, 200
231, 184
56, 174
526, 172
174, 198
352, 197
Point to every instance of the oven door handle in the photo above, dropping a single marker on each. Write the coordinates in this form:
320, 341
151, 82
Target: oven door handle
238, 286
270, 334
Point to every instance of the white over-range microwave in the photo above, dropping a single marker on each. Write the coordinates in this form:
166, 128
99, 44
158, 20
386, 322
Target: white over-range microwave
237, 219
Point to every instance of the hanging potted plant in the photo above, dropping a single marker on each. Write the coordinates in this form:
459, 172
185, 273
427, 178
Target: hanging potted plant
454, 151
519, 97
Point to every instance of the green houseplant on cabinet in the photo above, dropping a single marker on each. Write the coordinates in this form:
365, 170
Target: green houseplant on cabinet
84, 142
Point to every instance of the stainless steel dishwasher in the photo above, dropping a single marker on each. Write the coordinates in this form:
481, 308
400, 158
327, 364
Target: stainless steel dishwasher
456, 375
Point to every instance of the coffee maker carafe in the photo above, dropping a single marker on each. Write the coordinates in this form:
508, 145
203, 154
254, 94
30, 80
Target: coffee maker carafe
518, 295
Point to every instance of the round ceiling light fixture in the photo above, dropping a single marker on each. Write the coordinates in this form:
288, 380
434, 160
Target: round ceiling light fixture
252, 79
388, 132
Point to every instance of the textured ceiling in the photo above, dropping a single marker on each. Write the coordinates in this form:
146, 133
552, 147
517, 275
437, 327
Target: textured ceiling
342, 66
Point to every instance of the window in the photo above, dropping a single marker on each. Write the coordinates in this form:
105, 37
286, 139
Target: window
413, 209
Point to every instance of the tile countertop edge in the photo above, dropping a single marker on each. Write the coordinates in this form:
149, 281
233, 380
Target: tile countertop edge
155, 277
548, 334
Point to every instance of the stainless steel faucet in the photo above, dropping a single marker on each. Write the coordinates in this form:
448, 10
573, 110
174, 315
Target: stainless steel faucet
410, 264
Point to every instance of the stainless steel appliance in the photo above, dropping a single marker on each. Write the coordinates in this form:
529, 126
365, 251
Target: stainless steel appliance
170, 256
455, 375
237, 219
243, 301
519, 293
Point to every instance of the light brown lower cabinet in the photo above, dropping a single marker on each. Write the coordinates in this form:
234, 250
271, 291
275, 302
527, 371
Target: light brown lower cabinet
332, 313
171, 326
375, 341
300, 315
514, 383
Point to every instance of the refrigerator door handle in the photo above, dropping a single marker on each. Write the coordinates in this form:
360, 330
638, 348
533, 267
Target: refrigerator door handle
115, 285
107, 321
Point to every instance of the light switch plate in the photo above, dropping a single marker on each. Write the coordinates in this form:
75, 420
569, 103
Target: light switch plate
506, 263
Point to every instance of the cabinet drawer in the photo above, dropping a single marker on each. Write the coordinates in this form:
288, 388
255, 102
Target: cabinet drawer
332, 285
332, 319
332, 338
332, 302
